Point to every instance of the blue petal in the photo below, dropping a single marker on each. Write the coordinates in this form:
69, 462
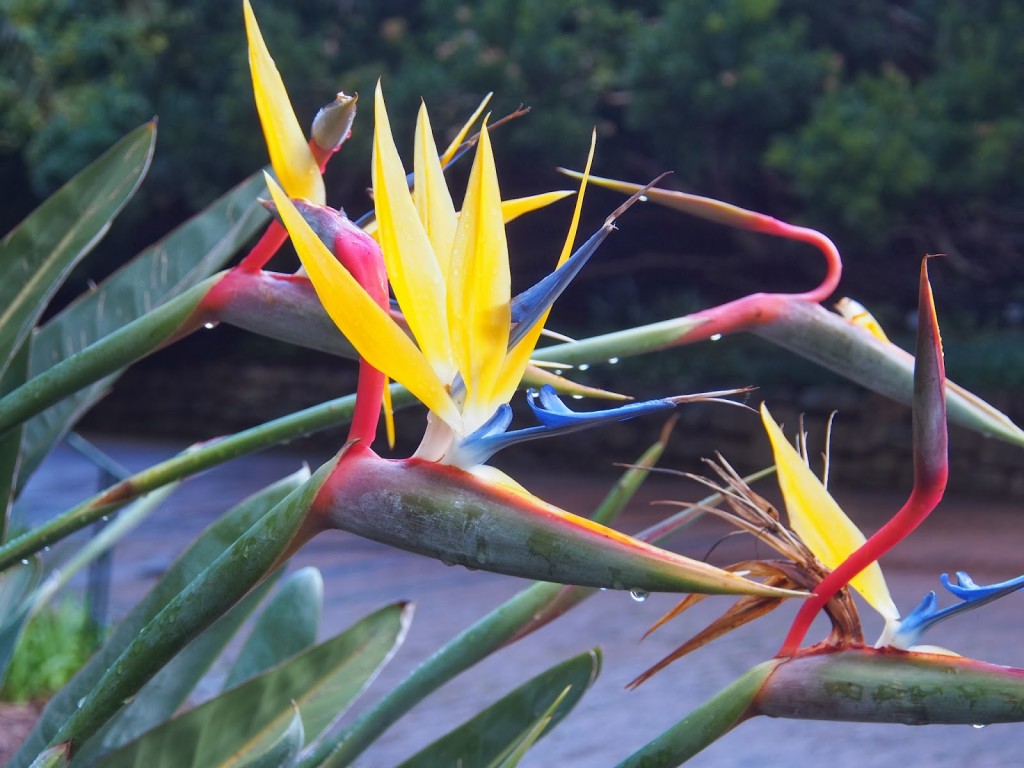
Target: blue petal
529, 305
971, 595
555, 419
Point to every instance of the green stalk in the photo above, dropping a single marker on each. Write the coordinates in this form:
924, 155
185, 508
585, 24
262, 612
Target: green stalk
704, 725
111, 353
329, 414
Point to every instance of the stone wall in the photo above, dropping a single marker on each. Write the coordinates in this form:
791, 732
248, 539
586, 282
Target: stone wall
870, 447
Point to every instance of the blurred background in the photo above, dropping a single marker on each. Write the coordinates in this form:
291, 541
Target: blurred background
894, 127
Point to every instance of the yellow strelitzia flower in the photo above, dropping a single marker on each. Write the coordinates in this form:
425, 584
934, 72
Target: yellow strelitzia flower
450, 275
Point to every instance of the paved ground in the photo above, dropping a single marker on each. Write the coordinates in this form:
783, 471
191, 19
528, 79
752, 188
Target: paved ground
610, 722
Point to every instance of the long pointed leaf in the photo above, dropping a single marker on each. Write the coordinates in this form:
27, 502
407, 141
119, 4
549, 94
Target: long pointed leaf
283, 751
40, 252
321, 682
287, 625
161, 697
489, 735
11, 443
206, 548
249, 559
189, 254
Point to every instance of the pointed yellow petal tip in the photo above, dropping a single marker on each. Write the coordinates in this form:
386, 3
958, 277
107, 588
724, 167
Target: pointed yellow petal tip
449, 153
287, 145
516, 207
818, 520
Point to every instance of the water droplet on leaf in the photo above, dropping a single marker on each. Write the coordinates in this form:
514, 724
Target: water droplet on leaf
639, 595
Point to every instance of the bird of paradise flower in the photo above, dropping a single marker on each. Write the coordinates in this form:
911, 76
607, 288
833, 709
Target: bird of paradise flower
465, 353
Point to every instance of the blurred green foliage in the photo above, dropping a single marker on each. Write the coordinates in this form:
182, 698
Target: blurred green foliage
894, 125
54, 645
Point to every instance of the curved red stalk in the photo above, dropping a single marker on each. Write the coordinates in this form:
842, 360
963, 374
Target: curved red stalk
762, 308
931, 469
275, 236
323, 156
361, 256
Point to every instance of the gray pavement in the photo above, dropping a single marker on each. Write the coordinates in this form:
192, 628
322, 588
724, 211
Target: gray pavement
985, 538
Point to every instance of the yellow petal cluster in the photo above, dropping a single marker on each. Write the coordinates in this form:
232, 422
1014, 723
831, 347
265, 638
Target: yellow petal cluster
449, 272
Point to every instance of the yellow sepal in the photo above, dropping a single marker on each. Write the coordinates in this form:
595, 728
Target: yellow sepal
818, 520
287, 144
371, 330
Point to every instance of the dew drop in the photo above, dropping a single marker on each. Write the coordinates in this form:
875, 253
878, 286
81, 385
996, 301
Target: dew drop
613, 360
716, 336
639, 595
105, 518
978, 726
604, 589
559, 371
577, 397
583, 367
46, 549
642, 198
81, 701
24, 561
209, 326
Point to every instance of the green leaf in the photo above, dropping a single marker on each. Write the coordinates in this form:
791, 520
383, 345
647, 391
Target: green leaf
287, 625
706, 724
249, 560
188, 255
496, 733
517, 750
37, 255
55, 757
161, 697
321, 682
11, 442
283, 751
203, 551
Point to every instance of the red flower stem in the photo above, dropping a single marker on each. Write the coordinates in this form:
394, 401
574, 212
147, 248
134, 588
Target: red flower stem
920, 504
275, 236
931, 468
265, 248
760, 309
361, 256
